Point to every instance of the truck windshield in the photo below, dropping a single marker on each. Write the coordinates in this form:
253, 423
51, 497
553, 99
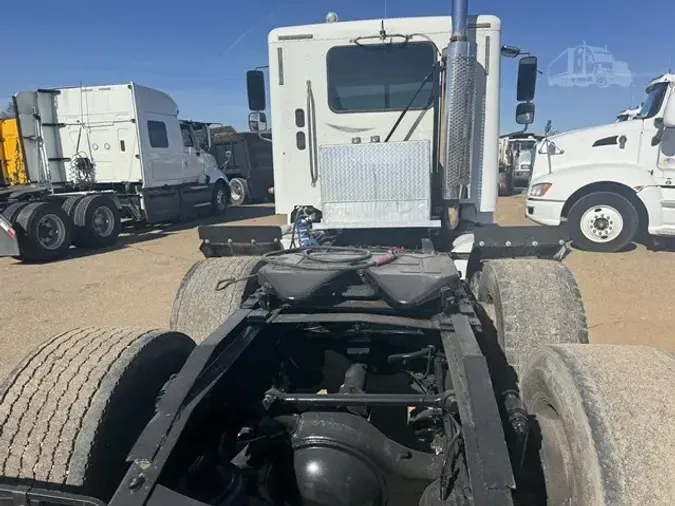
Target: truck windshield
379, 77
653, 101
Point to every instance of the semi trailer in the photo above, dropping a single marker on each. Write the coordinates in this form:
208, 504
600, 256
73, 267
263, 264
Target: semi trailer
388, 345
93, 156
613, 183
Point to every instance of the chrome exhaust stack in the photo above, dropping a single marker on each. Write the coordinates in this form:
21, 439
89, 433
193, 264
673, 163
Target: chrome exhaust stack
460, 100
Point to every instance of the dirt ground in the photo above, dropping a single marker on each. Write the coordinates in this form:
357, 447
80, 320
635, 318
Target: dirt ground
629, 296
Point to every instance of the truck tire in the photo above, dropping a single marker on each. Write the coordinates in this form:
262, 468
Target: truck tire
199, 308
44, 232
11, 211
70, 412
604, 430
221, 197
70, 203
603, 221
239, 194
505, 188
531, 303
97, 222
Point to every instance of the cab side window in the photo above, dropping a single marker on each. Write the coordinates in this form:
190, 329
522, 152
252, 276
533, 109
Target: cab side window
157, 134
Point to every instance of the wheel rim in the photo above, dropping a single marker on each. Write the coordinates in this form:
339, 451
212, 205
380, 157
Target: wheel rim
51, 232
601, 224
555, 454
103, 221
236, 191
221, 199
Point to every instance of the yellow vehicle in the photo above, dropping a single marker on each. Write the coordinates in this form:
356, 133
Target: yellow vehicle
11, 155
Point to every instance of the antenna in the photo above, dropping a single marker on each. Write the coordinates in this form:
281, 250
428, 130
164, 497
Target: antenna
383, 30
670, 64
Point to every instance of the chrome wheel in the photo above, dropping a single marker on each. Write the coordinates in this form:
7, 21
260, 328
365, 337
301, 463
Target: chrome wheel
601, 224
51, 232
236, 192
103, 221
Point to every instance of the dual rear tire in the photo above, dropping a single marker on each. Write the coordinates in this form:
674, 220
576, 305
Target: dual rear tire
46, 229
43, 229
96, 220
600, 415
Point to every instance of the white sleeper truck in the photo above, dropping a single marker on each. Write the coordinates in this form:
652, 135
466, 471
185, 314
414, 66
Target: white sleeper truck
96, 155
611, 183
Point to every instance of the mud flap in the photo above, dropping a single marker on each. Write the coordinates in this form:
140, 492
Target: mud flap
494, 241
9, 245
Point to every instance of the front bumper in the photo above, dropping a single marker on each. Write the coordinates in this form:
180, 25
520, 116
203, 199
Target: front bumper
545, 212
9, 245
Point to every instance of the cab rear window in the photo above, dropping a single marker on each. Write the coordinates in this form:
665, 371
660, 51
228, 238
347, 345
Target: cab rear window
380, 77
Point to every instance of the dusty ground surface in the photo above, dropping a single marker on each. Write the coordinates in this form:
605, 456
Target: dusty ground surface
629, 297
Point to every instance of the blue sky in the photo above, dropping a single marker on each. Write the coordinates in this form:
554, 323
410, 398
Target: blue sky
199, 51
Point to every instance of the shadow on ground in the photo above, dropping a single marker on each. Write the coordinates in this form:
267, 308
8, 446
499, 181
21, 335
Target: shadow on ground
140, 233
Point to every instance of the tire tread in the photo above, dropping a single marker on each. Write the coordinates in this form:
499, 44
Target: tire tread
198, 308
538, 302
52, 405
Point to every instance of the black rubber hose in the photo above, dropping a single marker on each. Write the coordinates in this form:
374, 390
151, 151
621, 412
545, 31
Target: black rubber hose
361, 259
402, 357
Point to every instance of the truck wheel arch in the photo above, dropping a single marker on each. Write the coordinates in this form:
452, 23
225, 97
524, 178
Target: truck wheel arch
612, 187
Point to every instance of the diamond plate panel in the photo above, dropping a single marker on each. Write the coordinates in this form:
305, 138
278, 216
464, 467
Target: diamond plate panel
375, 183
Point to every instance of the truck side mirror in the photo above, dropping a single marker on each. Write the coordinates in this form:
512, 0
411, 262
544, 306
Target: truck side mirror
509, 51
255, 87
527, 78
669, 112
525, 113
257, 122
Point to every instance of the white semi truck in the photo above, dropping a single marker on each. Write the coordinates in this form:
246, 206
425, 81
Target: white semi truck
611, 182
370, 369
95, 155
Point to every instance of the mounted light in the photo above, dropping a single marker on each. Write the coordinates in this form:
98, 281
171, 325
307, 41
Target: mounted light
539, 190
332, 17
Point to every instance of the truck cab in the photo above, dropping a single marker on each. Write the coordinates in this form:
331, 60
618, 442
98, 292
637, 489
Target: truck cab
370, 91
610, 182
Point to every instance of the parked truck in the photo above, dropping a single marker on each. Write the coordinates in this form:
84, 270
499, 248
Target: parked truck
515, 160
612, 183
246, 159
93, 156
399, 354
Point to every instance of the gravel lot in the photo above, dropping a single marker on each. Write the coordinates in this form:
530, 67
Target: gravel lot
629, 296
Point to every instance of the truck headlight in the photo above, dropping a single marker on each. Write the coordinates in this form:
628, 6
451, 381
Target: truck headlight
539, 190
